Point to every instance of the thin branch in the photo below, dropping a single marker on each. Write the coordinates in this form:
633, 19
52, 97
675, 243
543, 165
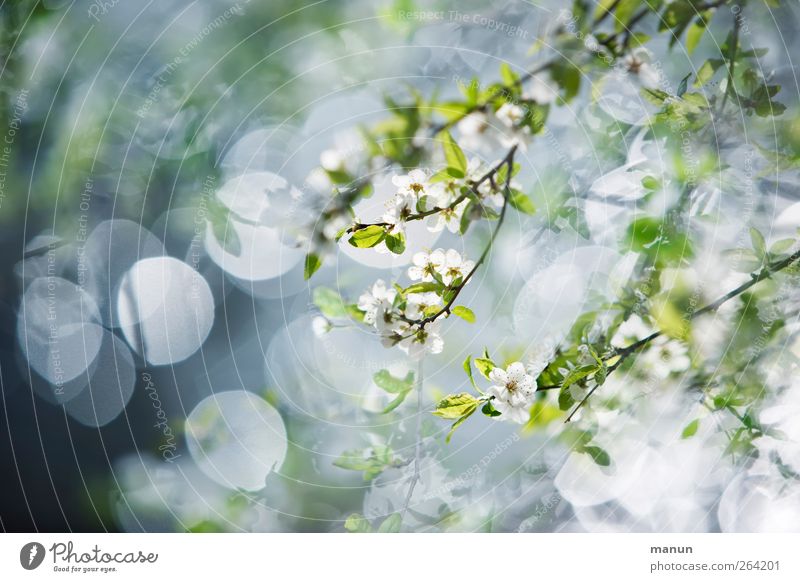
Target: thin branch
627, 351
418, 443
509, 161
473, 184
732, 50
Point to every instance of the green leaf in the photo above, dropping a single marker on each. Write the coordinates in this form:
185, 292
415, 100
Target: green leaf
659, 239
356, 523
781, 246
650, 183
489, 410
521, 202
383, 379
603, 6
227, 236
422, 287
329, 302
456, 405
391, 524
313, 263
565, 399
624, 13
683, 84
455, 158
759, 244
368, 237
466, 218
509, 77
396, 243
371, 461
468, 370
484, 365
577, 375
691, 429
464, 313
458, 423
542, 414
599, 455
396, 402
694, 34
669, 318
704, 74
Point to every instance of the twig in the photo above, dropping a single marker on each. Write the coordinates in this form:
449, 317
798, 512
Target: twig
732, 50
417, 445
627, 351
473, 184
509, 162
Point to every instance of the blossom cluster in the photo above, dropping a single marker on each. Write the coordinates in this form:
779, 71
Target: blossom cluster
410, 317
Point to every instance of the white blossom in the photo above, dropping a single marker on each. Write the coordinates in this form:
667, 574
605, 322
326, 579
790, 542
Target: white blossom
541, 356
540, 91
665, 357
417, 303
421, 341
333, 160
414, 184
639, 62
425, 265
631, 330
379, 297
320, 325
455, 266
473, 124
448, 217
513, 392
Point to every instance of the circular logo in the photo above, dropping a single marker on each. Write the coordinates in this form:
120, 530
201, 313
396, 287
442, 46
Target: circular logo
31, 555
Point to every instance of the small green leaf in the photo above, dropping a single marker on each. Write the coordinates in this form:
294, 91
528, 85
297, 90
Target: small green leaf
396, 243
565, 399
329, 302
521, 202
509, 77
599, 455
484, 365
391, 524
577, 375
704, 74
691, 429
694, 34
456, 405
396, 402
759, 244
422, 287
464, 313
383, 379
455, 158
356, 523
313, 263
489, 410
227, 236
458, 423
683, 84
468, 370
781, 246
600, 375
466, 218
651, 183
368, 237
